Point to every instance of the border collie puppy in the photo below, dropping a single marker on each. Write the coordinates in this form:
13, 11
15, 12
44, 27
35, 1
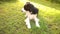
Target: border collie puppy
31, 13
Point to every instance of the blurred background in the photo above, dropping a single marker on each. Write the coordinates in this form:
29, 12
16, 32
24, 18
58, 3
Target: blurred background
12, 19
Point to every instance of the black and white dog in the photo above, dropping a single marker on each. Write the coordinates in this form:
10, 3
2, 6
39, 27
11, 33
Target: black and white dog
31, 13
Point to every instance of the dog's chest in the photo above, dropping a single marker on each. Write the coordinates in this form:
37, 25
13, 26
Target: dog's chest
31, 16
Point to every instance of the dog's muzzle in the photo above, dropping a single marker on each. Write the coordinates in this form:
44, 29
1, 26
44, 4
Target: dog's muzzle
23, 10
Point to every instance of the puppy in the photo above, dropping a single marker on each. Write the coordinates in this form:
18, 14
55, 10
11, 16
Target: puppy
31, 13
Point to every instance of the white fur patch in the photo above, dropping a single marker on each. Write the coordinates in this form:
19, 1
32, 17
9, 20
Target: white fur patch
29, 17
23, 10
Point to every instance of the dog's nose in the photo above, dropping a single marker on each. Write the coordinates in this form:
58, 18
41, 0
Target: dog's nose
21, 10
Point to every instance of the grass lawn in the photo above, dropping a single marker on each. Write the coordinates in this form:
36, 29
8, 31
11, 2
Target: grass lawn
50, 12
47, 3
12, 19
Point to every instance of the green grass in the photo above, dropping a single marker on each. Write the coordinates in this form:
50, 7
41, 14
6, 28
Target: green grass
47, 3
12, 20
50, 12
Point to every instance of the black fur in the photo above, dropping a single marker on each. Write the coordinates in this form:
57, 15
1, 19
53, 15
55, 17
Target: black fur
29, 7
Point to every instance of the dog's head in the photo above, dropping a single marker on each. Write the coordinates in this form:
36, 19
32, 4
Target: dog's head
27, 7
30, 8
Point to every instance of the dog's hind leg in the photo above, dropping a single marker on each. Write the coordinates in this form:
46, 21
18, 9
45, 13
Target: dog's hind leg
28, 23
37, 21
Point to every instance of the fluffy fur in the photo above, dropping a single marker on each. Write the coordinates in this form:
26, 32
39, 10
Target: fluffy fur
31, 13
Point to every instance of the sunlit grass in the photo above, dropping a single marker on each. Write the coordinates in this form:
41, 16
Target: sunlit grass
51, 15
12, 19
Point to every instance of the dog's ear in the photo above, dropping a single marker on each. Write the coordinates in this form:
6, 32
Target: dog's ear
27, 2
